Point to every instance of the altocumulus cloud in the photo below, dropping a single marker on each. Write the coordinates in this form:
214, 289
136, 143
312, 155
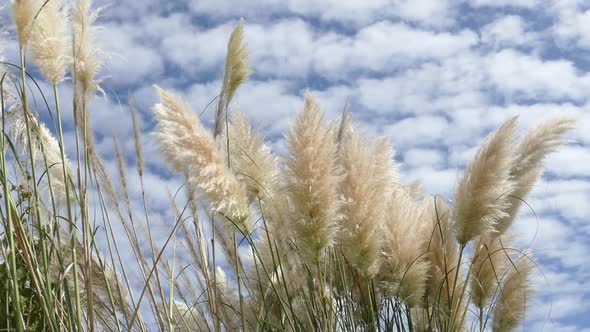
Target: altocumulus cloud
434, 75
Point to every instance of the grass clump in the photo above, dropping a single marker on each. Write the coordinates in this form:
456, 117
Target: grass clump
325, 238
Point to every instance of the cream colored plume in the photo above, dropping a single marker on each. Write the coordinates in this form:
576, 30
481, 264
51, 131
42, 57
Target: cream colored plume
312, 181
236, 73
369, 176
187, 319
404, 264
489, 265
192, 150
443, 255
481, 195
87, 59
251, 160
515, 295
23, 14
528, 162
46, 150
49, 42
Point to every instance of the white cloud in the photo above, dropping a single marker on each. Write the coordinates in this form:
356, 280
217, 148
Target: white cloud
358, 12
455, 83
419, 130
423, 157
505, 3
516, 74
509, 30
570, 161
571, 23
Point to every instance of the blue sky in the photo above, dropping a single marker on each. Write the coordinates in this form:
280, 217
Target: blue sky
435, 76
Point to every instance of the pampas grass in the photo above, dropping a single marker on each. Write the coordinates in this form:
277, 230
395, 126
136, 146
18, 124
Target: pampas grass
515, 294
50, 43
23, 13
192, 150
324, 238
481, 195
369, 175
312, 181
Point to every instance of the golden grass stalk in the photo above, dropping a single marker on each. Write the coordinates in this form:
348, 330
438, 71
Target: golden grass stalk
515, 293
192, 150
369, 175
528, 161
252, 161
481, 195
49, 41
236, 73
312, 181
404, 264
23, 14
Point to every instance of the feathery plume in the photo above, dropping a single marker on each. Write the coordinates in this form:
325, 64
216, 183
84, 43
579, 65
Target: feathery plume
527, 167
489, 265
45, 149
87, 59
312, 181
252, 161
228, 301
49, 41
443, 254
23, 14
187, 319
404, 264
236, 73
517, 288
192, 150
481, 195
369, 175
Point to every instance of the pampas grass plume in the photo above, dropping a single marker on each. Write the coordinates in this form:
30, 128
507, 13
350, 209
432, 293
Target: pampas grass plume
23, 14
312, 181
481, 195
404, 268
530, 151
488, 268
252, 161
369, 175
192, 150
49, 41
236, 73
515, 293
87, 57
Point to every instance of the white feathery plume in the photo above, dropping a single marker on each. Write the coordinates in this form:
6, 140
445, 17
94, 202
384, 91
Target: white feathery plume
45, 149
404, 264
481, 195
488, 267
368, 176
527, 167
251, 160
87, 56
236, 73
443, 252
192, 150
23, 14
514, 295
312, 180
49, 41
187, 319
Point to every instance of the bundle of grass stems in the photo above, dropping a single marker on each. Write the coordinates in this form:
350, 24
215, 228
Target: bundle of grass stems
325, 238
